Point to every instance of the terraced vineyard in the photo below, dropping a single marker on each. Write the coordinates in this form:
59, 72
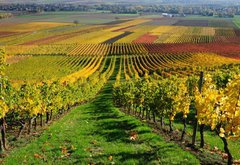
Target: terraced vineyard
151, 67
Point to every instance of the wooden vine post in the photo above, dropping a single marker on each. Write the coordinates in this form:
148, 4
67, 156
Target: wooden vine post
200, 85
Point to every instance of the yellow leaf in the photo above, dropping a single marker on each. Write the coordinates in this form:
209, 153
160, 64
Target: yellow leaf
221, 135
110, 158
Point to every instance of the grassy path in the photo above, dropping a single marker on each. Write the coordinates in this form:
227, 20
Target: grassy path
98, 133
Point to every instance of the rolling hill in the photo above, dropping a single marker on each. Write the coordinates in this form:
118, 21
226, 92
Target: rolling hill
220, 2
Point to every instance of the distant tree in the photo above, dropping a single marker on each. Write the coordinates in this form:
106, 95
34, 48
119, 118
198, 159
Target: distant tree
76, 22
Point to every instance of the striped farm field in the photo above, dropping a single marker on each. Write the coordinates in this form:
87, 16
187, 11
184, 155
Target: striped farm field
226, 49
44, 67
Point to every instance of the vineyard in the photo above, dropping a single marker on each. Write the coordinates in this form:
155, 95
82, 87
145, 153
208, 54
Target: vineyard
163, 82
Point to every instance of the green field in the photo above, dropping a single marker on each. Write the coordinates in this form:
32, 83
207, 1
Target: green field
98, 17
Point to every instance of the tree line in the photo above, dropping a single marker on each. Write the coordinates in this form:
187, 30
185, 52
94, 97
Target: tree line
205, 10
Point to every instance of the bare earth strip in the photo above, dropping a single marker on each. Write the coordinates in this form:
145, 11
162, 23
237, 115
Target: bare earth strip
114, 39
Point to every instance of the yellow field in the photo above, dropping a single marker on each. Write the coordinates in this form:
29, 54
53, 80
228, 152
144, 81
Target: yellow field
137, 32
33, 26
209, 59
95, 37
128, 24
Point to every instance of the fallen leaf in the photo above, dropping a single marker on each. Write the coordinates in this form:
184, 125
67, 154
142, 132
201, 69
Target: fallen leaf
38, 156
64, 150
133, 136
236, 162
35, 133
110, 158
224, 156
215, 148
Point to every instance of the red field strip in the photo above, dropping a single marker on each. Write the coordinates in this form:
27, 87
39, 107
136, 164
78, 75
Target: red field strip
146, 38
7, 34
3, 34
229, 50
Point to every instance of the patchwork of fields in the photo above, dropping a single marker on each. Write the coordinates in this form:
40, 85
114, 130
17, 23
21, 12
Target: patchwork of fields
149, 44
